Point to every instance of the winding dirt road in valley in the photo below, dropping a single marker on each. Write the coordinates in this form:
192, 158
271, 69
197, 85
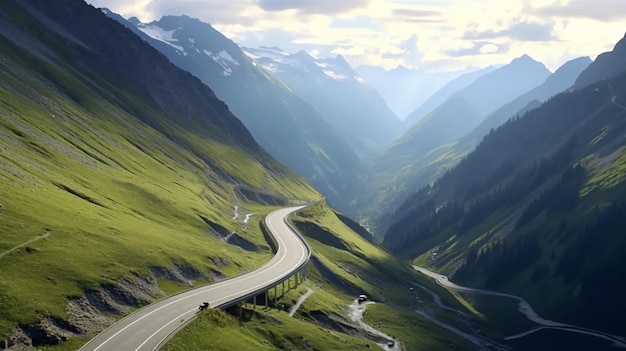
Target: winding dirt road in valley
525, 308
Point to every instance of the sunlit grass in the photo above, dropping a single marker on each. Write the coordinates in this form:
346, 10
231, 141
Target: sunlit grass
116, 196
267, 329
606, 172
356, 266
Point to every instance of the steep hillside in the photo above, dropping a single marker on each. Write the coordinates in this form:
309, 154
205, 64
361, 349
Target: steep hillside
117, 172
534, 210
286, 126
343, 98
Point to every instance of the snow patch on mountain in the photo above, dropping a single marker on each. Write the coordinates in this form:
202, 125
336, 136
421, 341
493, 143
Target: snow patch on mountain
273, 53
276, 60
162, 35
331, 71
272, 59
224, 59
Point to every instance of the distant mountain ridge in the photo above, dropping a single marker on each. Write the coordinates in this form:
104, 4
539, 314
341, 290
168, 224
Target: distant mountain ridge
406, 89
563, 78
289, 128
340, 95
492, 90
466, 108
441, 95
430, 147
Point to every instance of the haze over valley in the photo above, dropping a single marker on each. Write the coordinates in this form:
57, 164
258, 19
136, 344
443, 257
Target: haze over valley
312, 175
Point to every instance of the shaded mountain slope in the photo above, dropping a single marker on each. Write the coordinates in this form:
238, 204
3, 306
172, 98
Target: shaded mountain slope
607, 65
533, 210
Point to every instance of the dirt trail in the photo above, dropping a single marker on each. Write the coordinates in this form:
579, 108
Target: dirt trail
245, 221
236, 215
42, 236
356, 311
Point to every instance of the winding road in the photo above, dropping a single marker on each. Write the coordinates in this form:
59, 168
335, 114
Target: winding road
149, 327
525, 308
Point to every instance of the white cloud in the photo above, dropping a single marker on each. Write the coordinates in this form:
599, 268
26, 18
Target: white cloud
488, 49
600, 10
329, 7
351, 51
442, 34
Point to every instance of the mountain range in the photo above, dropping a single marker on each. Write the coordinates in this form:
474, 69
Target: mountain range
283, 123
427, 149
406, 89
341, 96
468, 107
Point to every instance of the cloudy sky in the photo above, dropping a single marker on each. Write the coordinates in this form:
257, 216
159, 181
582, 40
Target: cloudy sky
434, 35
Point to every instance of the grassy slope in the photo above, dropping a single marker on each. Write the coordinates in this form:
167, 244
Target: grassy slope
266, 330
358, 265
115, 196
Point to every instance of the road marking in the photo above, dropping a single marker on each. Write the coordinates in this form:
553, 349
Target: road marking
227, 298
163, 327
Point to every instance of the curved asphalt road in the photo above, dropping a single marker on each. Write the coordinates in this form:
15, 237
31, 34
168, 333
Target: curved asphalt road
147, 328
